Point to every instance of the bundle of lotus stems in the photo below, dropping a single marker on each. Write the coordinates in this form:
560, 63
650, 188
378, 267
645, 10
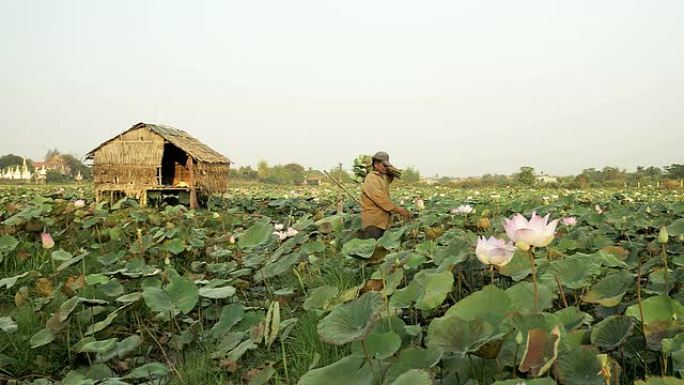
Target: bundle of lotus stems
363, 164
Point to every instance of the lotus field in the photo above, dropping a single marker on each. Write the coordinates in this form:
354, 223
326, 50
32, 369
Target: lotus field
272, 285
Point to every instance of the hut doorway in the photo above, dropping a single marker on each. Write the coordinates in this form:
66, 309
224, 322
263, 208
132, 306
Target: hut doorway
173, 169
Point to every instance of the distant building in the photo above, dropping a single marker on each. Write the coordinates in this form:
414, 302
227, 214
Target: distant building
17, 173
547, 178
151, 158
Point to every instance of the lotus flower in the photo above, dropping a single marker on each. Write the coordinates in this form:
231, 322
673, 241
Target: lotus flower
598, 209
420, 204
278, 226
569, 221
281, 235
231, 239
462, 209
537, 232
494, 251
47, 240
79, 203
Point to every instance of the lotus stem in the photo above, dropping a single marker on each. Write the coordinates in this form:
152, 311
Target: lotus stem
369, 360
491, 272
641, 308
667, 271
530, 254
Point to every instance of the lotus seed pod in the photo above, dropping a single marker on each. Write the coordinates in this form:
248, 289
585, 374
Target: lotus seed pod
663, 236
522, 246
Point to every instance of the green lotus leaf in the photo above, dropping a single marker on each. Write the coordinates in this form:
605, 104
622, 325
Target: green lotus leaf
412, 358
99, 346
157, 300
383, 345
149, 370
490, 304
256, 235
230, 316
434, 288
9, 282
451, 334
60, 255
7, 244
580, 367
534, 381
413, 377
67, 307
660, 381
41, 338
658, 308
122, 348
174, 246
359, 248
183, 293
521, 293
8, 325
351, 321
217, 292
351, 370
676, 228
573, 272
518, 268
320, 297
609, 291
611, 332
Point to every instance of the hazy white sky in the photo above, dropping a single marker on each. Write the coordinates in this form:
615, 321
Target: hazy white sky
453, 87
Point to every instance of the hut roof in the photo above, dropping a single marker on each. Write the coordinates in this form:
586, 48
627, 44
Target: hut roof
179, 138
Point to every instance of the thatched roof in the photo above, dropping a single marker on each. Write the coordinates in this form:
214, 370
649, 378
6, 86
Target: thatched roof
179, 138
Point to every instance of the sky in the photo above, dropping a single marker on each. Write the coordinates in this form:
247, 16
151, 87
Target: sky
455, 88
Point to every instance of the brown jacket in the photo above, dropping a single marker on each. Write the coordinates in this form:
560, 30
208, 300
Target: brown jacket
376, 205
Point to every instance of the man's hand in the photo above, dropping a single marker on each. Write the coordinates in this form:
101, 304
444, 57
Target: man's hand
403, 212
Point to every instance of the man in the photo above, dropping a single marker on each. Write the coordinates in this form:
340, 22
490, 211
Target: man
376, 206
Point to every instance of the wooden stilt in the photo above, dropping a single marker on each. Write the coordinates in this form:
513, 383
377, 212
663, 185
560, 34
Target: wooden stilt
191, 182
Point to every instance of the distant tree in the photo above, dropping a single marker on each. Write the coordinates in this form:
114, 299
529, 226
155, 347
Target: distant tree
525, 176
263, 170
675, 171
410, 175
298, 172
10, 160
75, 167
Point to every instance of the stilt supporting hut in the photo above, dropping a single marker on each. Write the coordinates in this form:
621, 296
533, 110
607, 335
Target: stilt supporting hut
154, 159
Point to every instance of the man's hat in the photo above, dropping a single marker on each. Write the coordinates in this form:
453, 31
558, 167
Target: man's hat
383, 157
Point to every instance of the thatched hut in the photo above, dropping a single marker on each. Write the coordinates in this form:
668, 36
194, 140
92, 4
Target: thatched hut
152, 158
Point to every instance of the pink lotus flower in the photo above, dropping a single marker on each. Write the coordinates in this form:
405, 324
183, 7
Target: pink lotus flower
282, 235
47, 240
494, 251
598, 209
537, 232
278, 226
79, 203
569, 221
420, 204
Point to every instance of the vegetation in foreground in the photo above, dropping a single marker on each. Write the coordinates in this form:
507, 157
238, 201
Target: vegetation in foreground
271, 285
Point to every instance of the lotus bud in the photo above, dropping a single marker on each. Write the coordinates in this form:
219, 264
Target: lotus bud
648, 210
216, 215
523, 246
47, 240
519, 338
663, 236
